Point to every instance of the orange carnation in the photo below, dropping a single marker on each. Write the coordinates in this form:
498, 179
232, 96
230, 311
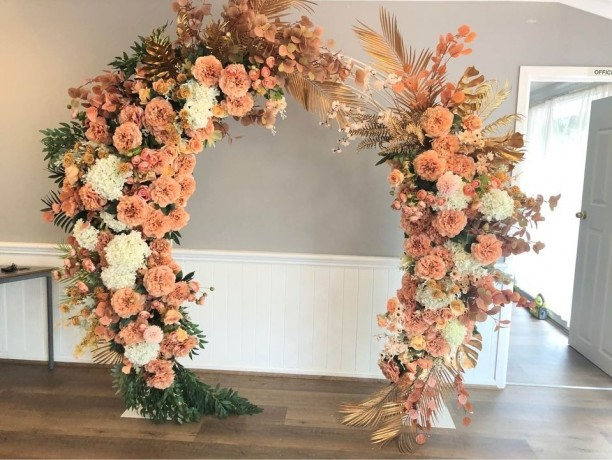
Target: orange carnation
430, 267
206, 70
126, 302
159, 281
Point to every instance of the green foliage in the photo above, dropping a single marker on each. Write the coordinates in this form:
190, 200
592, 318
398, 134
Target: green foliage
185, 401
128, 63
57, 141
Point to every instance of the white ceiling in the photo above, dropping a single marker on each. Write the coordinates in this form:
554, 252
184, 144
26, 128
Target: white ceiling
599, 7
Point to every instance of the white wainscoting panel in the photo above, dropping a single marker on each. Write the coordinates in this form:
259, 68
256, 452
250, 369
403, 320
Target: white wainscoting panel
285, 313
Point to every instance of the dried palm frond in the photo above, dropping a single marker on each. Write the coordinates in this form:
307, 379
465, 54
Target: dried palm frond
388, 48
507, 148
278, 8
103, 354
318, 96
500, 123
369, 411
386, 411
160, 60
493, 99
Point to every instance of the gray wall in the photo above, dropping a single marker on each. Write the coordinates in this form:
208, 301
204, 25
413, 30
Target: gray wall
286, 193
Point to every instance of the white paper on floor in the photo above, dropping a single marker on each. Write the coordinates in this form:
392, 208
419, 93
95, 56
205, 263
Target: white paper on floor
444, 419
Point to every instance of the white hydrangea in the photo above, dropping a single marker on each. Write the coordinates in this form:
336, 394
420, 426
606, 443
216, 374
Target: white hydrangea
116, 277
457, 202
433, 299
86, 235
128, 251
113, 223
141, 354
465, 263
497, 205
200, 103
106, 179
125, 254
454, 333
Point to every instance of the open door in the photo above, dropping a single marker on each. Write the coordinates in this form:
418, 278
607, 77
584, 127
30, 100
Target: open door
591, 319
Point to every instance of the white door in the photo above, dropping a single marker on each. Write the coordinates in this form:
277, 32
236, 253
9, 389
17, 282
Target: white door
591, 323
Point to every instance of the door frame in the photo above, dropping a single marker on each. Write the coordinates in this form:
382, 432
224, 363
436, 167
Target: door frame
527, 75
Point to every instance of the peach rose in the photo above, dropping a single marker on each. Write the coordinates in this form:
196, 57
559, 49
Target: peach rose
443, 254
183, 348
414, 324
126, 302
90, 199
472, 122
487, 249
188, 185
417, 245
98, 132
127, 137
180, 293
446, 145
429, 165
172, 316
438, 346
437, 121
418, 342
132, 210
396, 177
158, 113
207, 70
430, 267
178, 219
184, 165
159, 281
165, 190
130, 334
161, 246
71, 175
239, 106
463, 166
449, 223
234, 81
156, 225
161, 374
131, 113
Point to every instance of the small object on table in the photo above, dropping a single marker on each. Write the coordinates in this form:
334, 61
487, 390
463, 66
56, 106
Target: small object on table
14, 273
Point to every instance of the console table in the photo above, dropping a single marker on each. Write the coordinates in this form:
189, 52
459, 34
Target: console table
29, 273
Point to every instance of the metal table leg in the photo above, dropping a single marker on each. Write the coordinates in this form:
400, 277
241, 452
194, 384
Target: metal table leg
50, 322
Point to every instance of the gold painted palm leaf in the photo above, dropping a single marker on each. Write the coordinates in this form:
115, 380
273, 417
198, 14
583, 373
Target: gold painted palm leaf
467, 354
388, 49
318, 96
279, 8
160, 60
103, 354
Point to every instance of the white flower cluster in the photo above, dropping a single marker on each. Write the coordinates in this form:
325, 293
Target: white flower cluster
125, 255
431, 298
200, 103
497, 205
106, 179
454, 333
457, 202
142, 353
85, 234
394, 347
465, 263
113, 223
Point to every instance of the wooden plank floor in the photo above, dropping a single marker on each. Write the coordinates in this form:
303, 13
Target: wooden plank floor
72, 412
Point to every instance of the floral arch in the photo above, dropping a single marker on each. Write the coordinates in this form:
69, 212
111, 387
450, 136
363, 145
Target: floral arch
124, 166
